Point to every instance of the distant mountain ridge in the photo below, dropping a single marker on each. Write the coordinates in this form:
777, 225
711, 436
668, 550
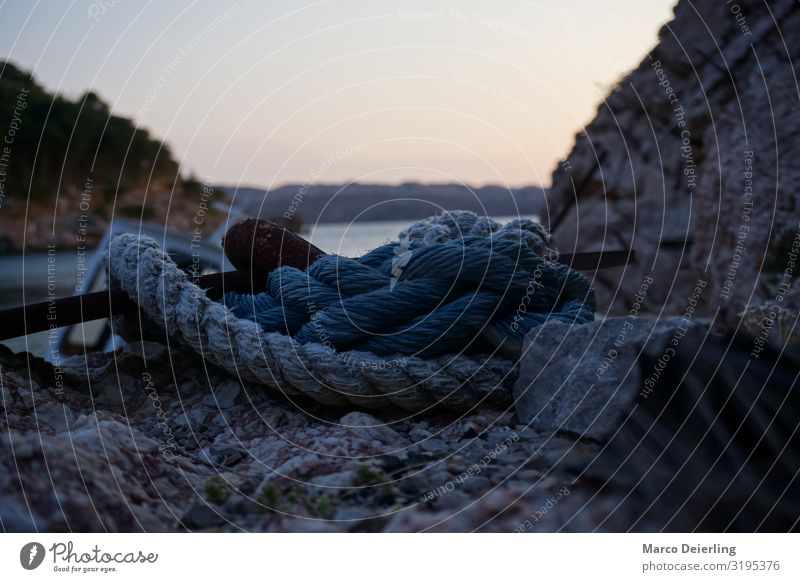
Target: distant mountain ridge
377, 202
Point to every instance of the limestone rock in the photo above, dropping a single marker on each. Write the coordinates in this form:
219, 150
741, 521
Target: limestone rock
583, 379
173, 451
692, 161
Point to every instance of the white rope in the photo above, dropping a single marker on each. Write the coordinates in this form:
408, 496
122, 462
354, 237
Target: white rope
168, 297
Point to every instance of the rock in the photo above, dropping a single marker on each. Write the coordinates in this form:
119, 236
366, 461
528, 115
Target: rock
297, 465
352, 514
148, 351
202, 516
433, 445
501, 435
225, 454
339, 479
224, 395
368, 427
470, 434
121, 391
281, 462
476, 485
418, 434
54, 416
582, 379
528, 476
15, 519
413, 487
702, 182
26, 397
239, 504
454, 501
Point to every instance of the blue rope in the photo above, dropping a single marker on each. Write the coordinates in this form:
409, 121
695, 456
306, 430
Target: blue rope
471, 294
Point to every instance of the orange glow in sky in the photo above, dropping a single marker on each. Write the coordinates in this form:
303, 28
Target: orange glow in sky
269, 93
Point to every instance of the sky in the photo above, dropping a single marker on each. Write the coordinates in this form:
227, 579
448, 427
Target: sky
269, 93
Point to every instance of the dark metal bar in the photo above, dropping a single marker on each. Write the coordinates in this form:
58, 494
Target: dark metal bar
47, 315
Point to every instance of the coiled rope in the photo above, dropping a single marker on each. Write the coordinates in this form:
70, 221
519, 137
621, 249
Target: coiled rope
404, 325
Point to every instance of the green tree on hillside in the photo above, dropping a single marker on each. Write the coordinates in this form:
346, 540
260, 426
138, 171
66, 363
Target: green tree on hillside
57, 143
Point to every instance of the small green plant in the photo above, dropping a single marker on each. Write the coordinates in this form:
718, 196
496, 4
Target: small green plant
321, 507
272, 500
366, 475
294, 496
268, 500
215, 493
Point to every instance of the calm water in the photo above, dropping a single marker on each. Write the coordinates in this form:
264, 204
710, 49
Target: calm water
24, 281
352, 240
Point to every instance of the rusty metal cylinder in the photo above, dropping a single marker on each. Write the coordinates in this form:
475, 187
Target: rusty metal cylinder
261, 245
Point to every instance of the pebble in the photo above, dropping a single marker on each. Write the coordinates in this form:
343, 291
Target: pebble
201, 516
418, 434
224, 395
337, 480
226, 455
433, 445
151, 351
275, 450
476, 484
25, 396
239, 504
368, 427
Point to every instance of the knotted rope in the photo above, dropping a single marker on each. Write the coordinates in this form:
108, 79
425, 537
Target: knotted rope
457, 284
464, 295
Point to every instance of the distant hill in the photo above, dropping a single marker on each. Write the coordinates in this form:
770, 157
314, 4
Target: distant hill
376, 202
66, 165
56, 143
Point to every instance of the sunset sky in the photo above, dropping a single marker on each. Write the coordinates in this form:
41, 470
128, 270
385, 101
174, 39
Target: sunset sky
265, 94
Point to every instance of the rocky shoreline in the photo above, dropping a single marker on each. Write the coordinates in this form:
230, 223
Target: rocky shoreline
129, 449
154, 438
137, 440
